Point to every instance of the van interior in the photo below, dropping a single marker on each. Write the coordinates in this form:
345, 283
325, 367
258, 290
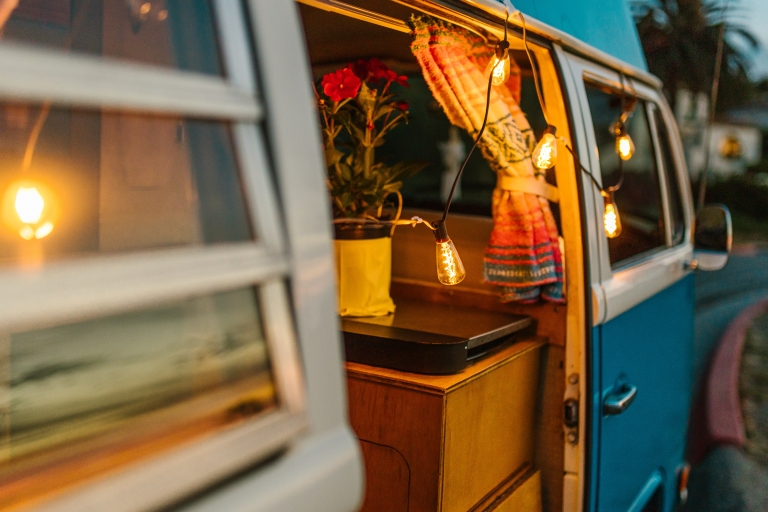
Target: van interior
336, 37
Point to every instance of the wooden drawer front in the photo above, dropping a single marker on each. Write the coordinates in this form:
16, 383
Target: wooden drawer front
489, 434
410, 423
387, 479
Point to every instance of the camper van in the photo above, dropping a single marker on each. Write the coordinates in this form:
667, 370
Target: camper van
178, 327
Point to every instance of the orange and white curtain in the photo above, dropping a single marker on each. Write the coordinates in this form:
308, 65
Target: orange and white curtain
523, 255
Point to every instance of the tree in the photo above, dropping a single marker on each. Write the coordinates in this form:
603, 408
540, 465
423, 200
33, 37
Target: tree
680, 39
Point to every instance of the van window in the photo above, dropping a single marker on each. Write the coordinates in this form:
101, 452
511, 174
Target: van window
639, 198
121, 182
147, 378
677, 220
145, 327
171, 33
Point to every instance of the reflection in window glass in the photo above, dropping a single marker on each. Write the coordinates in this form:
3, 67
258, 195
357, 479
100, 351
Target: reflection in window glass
115, 182
670, 170
84, 397
172, 33
639, 198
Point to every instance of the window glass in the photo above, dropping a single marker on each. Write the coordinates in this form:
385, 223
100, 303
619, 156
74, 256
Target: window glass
79, 399
172, 33
639, 198
670, 172
108, 182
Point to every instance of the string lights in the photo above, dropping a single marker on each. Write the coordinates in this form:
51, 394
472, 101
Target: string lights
545, 153
29, 207
450, 270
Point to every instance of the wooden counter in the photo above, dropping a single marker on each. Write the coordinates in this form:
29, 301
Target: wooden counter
449, 443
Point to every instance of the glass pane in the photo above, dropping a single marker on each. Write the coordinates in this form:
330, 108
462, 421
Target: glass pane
639, 198
675, 200
108, 182
172, 33
83, 398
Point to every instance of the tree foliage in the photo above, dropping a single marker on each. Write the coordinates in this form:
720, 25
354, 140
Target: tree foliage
680, 39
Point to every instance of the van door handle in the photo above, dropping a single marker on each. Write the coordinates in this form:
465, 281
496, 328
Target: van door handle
617, 403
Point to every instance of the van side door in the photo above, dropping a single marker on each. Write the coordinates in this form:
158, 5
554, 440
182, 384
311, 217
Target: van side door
642, 336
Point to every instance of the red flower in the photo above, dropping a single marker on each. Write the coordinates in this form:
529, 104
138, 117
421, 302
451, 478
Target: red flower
360, 69
401, 105
391, 76
341, 84
377, 69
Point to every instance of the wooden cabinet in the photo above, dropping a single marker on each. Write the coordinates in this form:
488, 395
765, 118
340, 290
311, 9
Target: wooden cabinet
449, 443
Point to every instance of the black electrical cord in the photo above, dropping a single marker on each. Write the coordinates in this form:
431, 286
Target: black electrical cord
477, 139
603, 191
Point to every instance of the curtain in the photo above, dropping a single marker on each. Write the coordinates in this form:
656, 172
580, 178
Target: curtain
523, 255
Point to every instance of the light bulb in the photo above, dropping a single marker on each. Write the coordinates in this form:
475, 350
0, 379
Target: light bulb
450, 270
30, 209
499, 67
611, 219
624, 146
545, 154
29, 204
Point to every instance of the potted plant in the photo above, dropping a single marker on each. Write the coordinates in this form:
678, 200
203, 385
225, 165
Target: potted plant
357, 110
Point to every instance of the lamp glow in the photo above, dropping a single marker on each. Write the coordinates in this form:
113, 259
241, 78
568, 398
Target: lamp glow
545, 154
611, 219
625, 147
29, 204
499, 68
450, 270
30, 209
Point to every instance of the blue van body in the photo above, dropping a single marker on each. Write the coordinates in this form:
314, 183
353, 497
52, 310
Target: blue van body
605, 24
649, 346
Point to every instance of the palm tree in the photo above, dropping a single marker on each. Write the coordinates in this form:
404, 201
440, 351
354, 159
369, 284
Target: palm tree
680, 39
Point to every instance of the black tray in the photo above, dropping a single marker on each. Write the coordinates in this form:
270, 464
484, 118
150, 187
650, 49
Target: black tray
424, 337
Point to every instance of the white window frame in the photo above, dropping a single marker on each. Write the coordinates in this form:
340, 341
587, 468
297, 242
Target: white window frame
99, 285
618, 290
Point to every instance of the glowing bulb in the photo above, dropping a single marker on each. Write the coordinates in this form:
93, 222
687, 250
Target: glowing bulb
30, 209
611, 219
145, 8
545, 154
450, 270
624, 146
499, 67
29, 205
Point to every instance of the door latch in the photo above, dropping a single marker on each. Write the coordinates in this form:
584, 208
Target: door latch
571, 413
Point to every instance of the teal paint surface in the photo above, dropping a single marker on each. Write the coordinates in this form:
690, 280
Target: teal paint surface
604, 24
637, 452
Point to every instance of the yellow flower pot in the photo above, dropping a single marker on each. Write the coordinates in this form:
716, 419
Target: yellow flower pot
364, 271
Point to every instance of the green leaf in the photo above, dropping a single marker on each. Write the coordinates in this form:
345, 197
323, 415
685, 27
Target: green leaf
367, 98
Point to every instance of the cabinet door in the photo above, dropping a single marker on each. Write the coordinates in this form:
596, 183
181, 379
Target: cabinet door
643, 324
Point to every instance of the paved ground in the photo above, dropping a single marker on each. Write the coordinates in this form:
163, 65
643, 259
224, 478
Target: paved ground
730, 480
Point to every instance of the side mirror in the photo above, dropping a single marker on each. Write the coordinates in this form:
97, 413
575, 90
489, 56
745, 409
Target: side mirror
712, 237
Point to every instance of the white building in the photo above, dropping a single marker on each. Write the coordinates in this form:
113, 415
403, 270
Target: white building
735, 141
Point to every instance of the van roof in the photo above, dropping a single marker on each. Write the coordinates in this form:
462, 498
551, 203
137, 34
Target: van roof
606, 24
604, 32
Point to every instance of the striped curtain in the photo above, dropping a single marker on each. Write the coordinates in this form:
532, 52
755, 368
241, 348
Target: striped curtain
523, 255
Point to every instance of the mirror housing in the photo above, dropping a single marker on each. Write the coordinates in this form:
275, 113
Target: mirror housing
712, 237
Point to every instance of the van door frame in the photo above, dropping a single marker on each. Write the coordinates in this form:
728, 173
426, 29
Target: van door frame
615, 291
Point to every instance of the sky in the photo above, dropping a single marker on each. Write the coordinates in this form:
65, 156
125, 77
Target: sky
753, 15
